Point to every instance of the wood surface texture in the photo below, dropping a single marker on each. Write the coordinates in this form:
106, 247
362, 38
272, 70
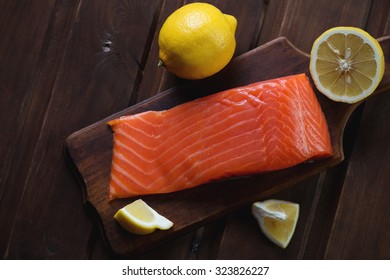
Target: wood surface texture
65, 65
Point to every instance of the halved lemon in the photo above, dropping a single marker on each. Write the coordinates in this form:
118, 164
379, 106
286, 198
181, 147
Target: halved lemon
139, 218
346, 64
277, 219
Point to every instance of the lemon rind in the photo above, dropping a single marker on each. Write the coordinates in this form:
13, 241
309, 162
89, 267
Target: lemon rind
182, 57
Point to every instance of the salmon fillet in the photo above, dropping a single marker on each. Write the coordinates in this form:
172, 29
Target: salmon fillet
257, 128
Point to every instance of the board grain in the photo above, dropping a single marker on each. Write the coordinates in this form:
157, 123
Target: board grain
90, 150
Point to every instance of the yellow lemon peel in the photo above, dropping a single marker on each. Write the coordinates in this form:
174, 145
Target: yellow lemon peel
197, 41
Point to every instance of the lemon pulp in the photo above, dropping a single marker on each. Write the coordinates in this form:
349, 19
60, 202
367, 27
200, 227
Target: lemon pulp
346, 64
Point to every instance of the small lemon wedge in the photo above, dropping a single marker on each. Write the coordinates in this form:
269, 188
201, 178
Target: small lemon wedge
277, 219
139, 218
346, 64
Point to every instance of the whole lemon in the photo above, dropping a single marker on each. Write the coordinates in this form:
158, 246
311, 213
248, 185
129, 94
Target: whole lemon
196, 41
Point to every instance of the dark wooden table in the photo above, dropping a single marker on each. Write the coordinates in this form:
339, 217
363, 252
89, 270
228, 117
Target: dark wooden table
67, 64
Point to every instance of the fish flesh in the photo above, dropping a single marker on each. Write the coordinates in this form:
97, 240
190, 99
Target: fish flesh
261, 127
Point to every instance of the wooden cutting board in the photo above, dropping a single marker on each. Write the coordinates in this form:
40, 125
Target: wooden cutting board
89, 151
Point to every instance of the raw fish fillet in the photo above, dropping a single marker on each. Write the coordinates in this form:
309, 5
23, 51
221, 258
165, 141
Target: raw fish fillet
258, 128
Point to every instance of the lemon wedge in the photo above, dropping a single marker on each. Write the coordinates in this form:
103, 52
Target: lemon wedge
139, 218
277, 219
346, 64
